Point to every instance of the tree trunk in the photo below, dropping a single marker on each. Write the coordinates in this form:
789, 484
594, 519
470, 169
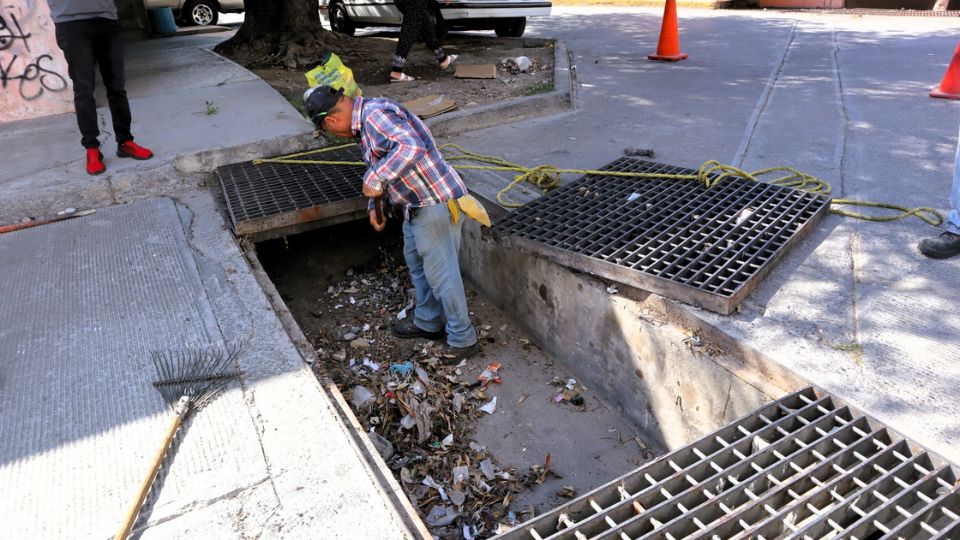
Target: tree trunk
279, 32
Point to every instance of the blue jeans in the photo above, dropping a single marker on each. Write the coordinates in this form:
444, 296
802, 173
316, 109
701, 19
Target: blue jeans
431, 246
953, 220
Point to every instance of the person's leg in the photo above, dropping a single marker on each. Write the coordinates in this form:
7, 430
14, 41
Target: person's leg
437, 243
947, 244
75, 38
413, 15
427, 314
109, 53
428, 34
953, 220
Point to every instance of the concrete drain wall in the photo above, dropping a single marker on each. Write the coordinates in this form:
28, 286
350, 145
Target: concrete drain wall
673, 377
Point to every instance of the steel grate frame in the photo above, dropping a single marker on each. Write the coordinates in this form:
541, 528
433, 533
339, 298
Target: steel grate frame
805, 466
708, 247
272, 199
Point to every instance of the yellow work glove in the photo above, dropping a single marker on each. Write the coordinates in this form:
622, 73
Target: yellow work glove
471, 207
454, 211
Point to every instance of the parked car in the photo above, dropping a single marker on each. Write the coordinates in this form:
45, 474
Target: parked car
197, 12
508, 18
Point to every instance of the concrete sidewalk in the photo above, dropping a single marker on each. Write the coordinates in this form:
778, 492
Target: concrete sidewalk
169, 83
81, 420
86, 300
841, 97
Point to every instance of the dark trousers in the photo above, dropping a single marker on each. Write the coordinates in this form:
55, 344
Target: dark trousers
86, 44
417, 24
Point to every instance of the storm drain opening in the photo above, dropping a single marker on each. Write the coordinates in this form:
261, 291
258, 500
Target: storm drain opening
804, 466
576, 388
270, 200
709, 247
483, 445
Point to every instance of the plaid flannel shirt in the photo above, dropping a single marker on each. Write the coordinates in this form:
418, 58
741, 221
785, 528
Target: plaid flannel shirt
401, 156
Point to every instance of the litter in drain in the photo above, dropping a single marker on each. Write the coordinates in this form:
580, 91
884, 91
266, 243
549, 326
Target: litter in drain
270, 200
706, 246
805, 466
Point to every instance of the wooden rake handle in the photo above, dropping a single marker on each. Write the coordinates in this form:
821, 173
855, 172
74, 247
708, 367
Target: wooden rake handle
131, 516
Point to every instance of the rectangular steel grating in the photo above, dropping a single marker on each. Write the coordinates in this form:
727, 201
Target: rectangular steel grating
805, 466
271, 197
708, 247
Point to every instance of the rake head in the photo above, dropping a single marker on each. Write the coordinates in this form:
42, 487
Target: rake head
195, 376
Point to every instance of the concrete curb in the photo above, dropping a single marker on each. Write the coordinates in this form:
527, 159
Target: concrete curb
562, 98
207, 161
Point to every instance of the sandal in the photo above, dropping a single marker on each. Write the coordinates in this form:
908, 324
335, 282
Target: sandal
402, 78
451, 58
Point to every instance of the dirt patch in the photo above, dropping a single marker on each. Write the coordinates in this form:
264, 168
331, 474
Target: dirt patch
345, 286
369, 57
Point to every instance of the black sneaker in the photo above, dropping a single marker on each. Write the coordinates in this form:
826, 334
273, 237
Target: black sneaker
451, 355
943, 246
405, 329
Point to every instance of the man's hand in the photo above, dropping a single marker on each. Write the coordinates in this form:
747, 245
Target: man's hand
376, 223
371, 193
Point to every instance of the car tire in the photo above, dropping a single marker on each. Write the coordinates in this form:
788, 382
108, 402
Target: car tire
440, 26
512, 27
339, 20
200, 13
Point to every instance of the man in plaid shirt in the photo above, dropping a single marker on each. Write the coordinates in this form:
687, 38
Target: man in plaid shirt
404, 163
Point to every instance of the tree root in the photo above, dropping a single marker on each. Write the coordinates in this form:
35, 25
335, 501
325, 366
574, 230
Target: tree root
291, 52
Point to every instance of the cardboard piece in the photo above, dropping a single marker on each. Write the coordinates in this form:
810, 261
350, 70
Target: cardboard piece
428, 106
478, 71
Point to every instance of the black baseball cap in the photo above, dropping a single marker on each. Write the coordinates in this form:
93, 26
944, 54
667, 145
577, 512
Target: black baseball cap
319, 100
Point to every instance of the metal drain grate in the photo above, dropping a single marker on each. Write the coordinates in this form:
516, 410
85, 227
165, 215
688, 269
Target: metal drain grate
708, 247
273, 199
805, 466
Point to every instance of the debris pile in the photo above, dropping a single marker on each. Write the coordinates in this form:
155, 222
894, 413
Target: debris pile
518, 65
418, 411
568, 391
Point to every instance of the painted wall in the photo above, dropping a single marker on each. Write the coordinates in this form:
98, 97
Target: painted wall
33, 72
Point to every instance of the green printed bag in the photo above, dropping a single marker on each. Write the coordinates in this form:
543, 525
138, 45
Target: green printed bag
332, 72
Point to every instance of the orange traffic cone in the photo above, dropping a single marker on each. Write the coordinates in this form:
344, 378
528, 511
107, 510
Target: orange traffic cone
950, 87
668, 49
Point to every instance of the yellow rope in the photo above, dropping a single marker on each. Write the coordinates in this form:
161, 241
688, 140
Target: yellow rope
287, 158
711, 173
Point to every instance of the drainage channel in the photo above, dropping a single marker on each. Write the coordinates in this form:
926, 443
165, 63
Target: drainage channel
344, 286
804, 466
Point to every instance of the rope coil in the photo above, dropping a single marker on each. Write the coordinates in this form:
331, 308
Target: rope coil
547, 178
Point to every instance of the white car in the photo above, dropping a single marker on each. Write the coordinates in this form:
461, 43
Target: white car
507, 17
197, 12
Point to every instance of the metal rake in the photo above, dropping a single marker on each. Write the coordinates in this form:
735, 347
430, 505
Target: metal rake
187, 379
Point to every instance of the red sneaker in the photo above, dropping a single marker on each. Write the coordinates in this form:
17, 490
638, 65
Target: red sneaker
134, 150
95, 161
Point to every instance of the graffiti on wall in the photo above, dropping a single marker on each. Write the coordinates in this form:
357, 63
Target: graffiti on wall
33, 72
